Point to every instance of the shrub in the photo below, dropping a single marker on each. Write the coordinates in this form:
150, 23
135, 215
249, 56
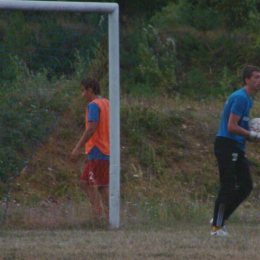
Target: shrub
158, 61
48, 40
30, 107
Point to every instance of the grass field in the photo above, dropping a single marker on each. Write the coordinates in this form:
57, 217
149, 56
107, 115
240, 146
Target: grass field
66, 231
183, 241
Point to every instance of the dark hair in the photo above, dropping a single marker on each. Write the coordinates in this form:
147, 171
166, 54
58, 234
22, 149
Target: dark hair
91, 83
247, 72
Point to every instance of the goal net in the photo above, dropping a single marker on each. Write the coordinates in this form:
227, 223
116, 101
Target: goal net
46, 49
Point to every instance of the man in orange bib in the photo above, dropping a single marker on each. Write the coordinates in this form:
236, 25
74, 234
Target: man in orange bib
95, 177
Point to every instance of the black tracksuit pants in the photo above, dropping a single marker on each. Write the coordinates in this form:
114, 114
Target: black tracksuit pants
235, 179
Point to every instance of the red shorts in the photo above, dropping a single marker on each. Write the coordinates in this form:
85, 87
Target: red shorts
96, 173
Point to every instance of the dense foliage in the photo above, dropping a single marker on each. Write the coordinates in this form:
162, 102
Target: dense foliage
50, 41
209, 49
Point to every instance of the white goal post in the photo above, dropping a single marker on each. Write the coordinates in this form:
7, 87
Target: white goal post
112, 10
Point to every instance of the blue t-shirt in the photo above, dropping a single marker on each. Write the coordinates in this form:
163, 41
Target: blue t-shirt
93, 116
240, 104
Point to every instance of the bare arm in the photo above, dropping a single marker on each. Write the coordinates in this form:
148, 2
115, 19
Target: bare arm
83, 140
234, 128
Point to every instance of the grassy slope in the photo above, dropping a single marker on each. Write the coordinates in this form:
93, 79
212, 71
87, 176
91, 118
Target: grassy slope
166, 154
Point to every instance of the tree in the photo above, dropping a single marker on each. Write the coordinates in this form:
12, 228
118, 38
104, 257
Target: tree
236, 13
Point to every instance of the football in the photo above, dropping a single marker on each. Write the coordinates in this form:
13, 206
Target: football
254, 125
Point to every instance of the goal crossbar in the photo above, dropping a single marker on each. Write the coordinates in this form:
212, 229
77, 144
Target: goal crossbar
59, 6
112, 10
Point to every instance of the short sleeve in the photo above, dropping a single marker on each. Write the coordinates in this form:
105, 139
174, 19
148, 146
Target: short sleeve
239, 105
93, 112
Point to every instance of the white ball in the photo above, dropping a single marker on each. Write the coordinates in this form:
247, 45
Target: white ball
254, 125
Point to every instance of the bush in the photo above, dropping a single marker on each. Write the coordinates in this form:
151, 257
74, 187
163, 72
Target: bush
158, 63
209, 54
30, 109
48, 40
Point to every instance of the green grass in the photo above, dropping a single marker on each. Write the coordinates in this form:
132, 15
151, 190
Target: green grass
63, 231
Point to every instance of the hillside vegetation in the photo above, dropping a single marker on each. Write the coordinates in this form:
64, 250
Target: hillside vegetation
161, 140
168, 170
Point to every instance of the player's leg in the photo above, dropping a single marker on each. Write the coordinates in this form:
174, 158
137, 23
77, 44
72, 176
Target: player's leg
92, 193
103, 182
225, 153
95, 183
90, 187
226, 191
104, 194
244, 184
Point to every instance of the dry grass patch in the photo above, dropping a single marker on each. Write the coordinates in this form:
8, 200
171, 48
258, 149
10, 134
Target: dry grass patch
184, 241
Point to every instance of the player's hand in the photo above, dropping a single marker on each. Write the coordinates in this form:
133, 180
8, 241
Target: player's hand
74, 155
254, 136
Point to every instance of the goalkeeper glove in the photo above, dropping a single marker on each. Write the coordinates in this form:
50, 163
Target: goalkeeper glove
254, 136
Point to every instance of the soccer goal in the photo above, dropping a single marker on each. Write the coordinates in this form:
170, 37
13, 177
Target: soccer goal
112, 10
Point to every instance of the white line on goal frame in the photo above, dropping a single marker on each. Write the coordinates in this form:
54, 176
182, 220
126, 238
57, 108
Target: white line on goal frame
112, 9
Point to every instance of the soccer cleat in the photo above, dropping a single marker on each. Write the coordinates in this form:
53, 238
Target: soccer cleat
224, 228
219, 233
